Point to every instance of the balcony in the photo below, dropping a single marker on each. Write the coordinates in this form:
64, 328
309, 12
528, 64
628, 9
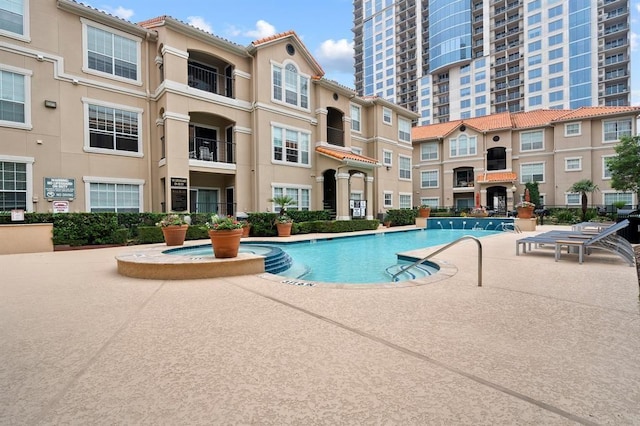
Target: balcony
211, 150
208, 79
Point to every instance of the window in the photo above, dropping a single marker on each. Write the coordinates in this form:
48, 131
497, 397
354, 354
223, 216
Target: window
612, 197
301, 196
404, 166
606, 173
573, 164
573, 198
556, 82
429, 179
386, 115
535, 59
14, 18
463, 146
356, 150
293, 89
555, 25
465, 91
531, 172
534, 19
572, 129
555, 39
431, 202
428, 151
557, 67
114, 195
388, 199
535, 32
555, 11
404, 130
555, 54
356, 112
112, 129
535, 87
404, 201
290, 146
15, 180
465, 79
535, 73
387, 158
530, 141
111, 52
535, 100
480, 76
535, 46
15, 97
615, 129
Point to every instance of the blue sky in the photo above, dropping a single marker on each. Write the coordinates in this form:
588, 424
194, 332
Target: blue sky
324, 27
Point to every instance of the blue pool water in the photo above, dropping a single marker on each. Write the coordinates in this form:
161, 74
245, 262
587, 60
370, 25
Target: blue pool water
359, 259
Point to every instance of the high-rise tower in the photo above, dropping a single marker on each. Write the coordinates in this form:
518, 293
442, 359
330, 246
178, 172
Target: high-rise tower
452, 59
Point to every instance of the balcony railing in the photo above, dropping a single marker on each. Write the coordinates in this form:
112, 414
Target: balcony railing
203, 78
204, 149
335, 136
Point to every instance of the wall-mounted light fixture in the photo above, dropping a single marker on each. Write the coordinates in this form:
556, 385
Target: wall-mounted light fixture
50, 104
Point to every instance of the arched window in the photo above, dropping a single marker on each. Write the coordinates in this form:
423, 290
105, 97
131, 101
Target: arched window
293, 89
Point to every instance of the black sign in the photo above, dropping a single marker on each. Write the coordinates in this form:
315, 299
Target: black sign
178, 182
178, 200
59, 188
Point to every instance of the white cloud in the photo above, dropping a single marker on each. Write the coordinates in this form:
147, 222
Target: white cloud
638, 7
263, 29
336, 56
120, 12
199, 22
633, 39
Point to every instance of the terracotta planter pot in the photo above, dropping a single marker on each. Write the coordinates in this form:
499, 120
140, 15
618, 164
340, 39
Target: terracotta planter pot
284, 229
525, 212
424, 212
225, 243
174, 235
246, 229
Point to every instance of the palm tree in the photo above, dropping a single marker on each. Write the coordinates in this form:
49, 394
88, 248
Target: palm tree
283, 201
583, 186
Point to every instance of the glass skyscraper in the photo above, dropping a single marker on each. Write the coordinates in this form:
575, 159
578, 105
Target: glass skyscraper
452, 59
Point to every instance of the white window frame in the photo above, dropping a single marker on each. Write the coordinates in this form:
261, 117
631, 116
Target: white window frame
85, 52
423, 151
472, 146
532, 132
88, 180
27, 98
387, 157
433, 202
387, 197
301, 148
618, 132
87, 131
569, 133
605, 168
28, 161
568, 198
404, 130
403, 169
356, 150
437, 179
356, 118
405, 201
567, 160
522, 181
614, 192
300, 79
387, 116
25, 36
295, 192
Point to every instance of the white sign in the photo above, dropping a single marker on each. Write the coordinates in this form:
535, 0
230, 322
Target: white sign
60, 207
17, 215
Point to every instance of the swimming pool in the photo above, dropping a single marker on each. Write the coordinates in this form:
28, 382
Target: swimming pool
354, 259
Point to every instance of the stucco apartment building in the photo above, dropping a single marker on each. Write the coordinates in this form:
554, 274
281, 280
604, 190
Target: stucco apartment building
487, 160
101, 114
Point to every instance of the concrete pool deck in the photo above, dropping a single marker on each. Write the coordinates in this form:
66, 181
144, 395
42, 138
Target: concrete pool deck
542, 342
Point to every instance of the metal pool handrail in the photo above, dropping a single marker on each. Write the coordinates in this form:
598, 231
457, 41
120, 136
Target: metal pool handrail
441, 249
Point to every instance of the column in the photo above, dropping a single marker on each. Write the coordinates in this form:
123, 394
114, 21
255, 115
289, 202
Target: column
342, 196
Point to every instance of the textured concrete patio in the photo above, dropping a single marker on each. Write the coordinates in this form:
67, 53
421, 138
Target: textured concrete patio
542, 342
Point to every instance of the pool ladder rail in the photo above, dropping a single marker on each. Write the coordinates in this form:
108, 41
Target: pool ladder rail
440, 250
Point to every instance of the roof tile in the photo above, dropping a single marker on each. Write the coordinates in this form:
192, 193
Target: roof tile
343, 155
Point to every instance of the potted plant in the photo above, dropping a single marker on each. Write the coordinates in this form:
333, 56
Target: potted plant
525, 209
174, 229
424, 210
478, 212
246, 228
225, 233
284, 223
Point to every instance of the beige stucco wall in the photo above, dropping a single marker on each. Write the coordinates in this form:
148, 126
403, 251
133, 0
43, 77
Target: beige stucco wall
26, 238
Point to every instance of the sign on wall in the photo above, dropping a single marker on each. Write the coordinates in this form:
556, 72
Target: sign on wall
59, 188
60, 207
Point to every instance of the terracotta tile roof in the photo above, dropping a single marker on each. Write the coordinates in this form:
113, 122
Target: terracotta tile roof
586, 112
519, 120
346, 156
292, 34
496, 177
274, 37
150, 23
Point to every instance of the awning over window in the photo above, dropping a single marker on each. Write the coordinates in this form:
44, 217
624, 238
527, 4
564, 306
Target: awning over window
348, 158
497, 177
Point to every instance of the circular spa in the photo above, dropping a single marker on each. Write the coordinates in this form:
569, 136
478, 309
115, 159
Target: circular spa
343, 259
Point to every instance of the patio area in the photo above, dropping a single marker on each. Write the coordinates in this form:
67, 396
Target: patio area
541, 342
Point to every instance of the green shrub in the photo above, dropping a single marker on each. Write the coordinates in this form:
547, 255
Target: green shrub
401, 217
149, 235
197, 232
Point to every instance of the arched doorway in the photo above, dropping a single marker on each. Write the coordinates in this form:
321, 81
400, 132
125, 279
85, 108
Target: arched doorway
497, 199
329, 191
